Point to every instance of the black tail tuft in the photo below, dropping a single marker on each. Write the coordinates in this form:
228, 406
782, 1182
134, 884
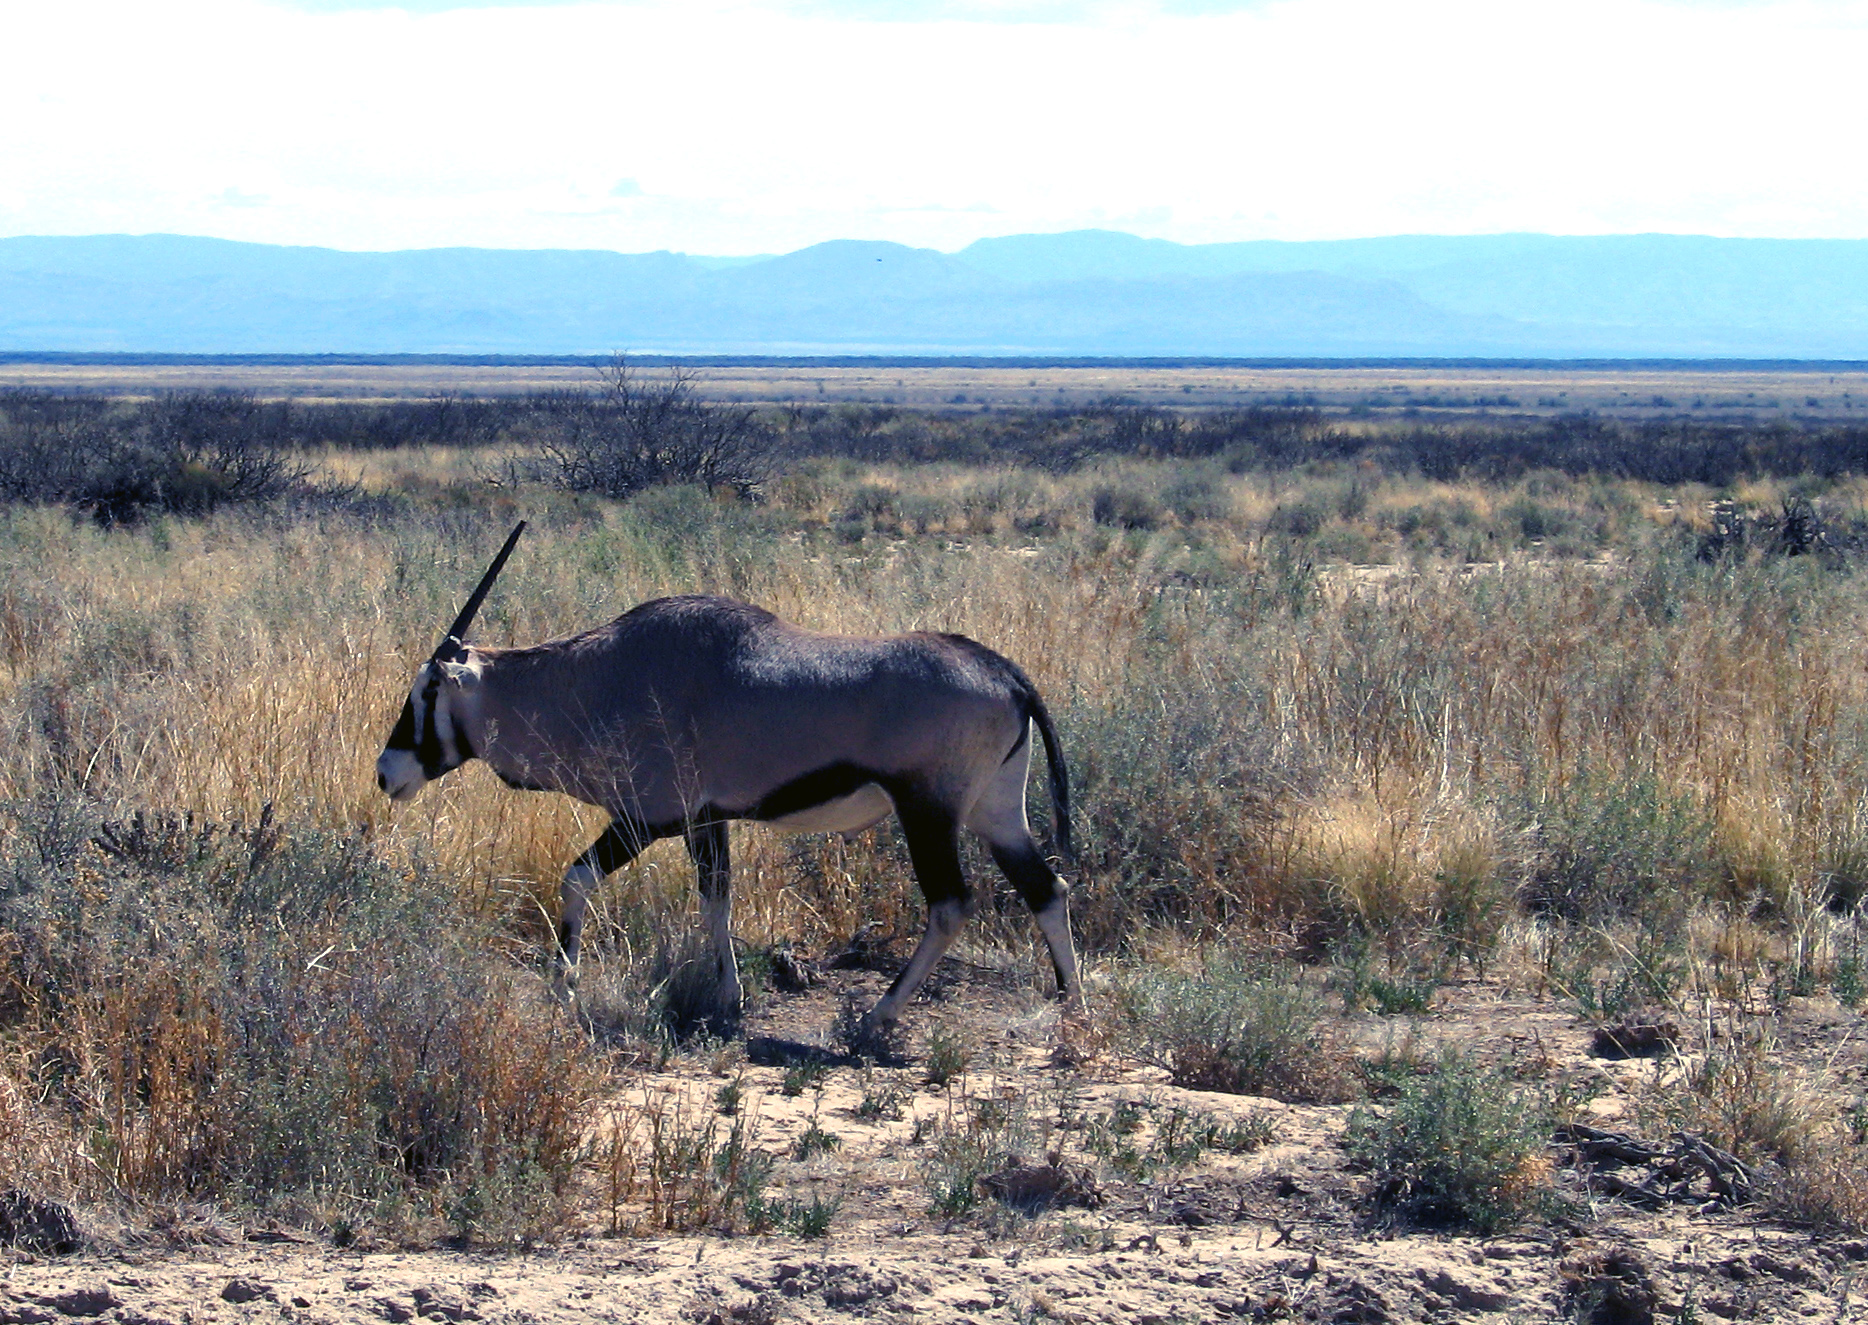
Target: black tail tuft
1060, 774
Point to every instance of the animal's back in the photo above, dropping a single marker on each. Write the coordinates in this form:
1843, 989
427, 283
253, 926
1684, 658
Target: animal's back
712, 698
786, 702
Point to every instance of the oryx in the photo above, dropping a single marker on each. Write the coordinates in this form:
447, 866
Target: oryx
686, 713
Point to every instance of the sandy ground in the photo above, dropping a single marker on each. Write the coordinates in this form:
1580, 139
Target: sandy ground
1283, 1231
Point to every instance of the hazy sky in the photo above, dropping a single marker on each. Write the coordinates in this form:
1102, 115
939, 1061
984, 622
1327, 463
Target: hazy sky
712, 126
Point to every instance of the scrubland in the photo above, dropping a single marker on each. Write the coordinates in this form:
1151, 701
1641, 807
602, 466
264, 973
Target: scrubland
1374, 758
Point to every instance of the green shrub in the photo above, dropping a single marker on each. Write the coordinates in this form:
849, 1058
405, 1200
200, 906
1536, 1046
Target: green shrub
814, 1141
1237, 1026
1181, 801
968, 1150
1463, 1144
806, 1219
800, 1077
1140, 1138
1126, 505
948, 1056
1613, 847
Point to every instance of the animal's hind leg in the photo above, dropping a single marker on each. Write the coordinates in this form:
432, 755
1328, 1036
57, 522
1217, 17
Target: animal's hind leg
1049, 899
934, 848
621, 843
999, 817
707, 844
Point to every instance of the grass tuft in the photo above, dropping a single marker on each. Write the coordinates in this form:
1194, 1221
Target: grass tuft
1239, 1026
1463, 1144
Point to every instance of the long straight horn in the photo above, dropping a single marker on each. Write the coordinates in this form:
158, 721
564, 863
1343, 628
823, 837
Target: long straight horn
457, 633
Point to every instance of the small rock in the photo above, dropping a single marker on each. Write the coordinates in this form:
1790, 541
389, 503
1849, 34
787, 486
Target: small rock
82, 1301
760, 1310
393, 1311
34, 1225
25, 1313
435, 1305
1466, 1296
856, 1287
1034, 1187
1355, 1303
1608, 1286
301, 1301
1765, 1263
1635, 1037
247, 1290
792, 973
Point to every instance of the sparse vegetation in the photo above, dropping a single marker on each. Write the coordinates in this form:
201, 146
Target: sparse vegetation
1236, 1025
947, 1056
1366, 706
1463, 1144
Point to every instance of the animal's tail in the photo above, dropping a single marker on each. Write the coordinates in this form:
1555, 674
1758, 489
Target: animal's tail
1060, 774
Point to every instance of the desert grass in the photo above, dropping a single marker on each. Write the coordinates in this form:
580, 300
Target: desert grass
1252, 731
1547, 737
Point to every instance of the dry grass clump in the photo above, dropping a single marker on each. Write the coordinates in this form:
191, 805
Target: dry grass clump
672, 1164
1236, 1024
1741, 1096
272, 1014
1826, 1187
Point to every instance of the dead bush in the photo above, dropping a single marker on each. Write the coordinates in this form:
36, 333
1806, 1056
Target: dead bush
258, 1012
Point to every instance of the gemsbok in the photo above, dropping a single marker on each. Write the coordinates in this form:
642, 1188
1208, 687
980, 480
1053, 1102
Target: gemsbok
687, 713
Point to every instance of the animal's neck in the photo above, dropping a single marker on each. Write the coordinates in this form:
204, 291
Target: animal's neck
492, 723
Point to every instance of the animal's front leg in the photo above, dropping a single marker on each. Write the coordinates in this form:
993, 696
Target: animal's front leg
707, 844
621, 843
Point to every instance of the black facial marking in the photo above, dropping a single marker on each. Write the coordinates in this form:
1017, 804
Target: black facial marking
428, 743
402, 735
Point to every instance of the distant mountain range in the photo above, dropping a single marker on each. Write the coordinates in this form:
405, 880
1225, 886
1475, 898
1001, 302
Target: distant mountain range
1087, 292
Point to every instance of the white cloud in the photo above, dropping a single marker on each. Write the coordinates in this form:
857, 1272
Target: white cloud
718, 126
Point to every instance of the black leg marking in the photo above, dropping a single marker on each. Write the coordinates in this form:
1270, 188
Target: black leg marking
934, 848
1048, 899
707, 844
621, 842
1028, 872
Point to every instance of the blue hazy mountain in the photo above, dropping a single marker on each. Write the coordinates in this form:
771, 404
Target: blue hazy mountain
1080, 293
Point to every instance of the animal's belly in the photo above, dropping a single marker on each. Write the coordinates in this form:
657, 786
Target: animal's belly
866, 806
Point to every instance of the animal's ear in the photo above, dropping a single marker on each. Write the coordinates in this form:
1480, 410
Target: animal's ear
460, 675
